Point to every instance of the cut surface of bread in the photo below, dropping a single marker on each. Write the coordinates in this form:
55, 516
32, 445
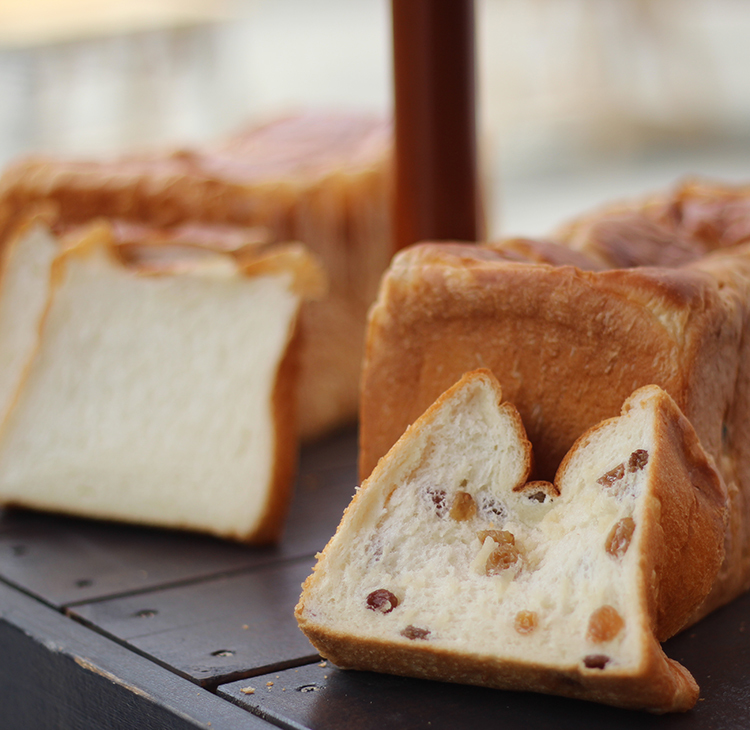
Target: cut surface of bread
449, 565
164, 399
24, 291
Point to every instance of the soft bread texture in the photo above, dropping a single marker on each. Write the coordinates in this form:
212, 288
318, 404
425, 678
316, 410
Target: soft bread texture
322, 179
24, 292
570, 344
164, 399
449, 565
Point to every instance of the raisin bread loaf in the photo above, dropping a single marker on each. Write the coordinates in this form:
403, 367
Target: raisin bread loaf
449, 565
322, 179
158, 395
569, 346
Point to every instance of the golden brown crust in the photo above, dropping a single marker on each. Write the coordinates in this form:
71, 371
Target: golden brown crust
660, 685
526, 250
672, 229
282, 177
568, 346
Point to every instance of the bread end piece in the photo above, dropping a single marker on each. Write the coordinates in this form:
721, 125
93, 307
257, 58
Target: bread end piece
563, 589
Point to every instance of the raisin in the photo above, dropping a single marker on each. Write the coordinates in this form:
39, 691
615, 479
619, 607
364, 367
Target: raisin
604, 625
595, 661
437, 497
382, 601
504, 556
638, 459
501, 537
463, 507
414, 632
620, 536
612, 476
525, 622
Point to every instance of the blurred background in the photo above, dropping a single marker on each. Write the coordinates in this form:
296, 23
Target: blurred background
580, 101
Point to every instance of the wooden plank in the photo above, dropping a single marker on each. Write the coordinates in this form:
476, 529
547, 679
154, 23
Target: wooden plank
55, 673
66, 561
214, 630
336, 451
716, 651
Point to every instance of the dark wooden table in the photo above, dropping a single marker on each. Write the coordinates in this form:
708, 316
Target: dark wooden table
109, 626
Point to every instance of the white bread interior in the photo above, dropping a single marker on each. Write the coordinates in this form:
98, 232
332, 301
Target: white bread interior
160, 398
24, 291
571, 609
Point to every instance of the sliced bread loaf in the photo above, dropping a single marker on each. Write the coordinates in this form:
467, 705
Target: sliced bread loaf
320, 178
161, 396
449, 565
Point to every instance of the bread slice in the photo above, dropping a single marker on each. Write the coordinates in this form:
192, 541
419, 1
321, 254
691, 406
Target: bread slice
449, 565
162, 398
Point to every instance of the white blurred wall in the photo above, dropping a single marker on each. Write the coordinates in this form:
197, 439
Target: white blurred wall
580, 100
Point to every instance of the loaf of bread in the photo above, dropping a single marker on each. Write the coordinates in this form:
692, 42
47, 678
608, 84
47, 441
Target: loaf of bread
449, 565
322, 179
569, 346
162, 394
670, 229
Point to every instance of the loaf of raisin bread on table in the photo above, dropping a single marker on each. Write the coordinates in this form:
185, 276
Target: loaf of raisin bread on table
570, 337
449, 564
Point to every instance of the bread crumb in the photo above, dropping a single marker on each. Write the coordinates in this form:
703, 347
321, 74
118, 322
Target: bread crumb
247, 690
245, 627
269, 684
323, 664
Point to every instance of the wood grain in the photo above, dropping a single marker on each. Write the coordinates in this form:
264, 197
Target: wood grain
224, 628
55, 673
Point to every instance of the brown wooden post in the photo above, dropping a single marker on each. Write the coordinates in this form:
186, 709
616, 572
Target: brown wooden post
436, 192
